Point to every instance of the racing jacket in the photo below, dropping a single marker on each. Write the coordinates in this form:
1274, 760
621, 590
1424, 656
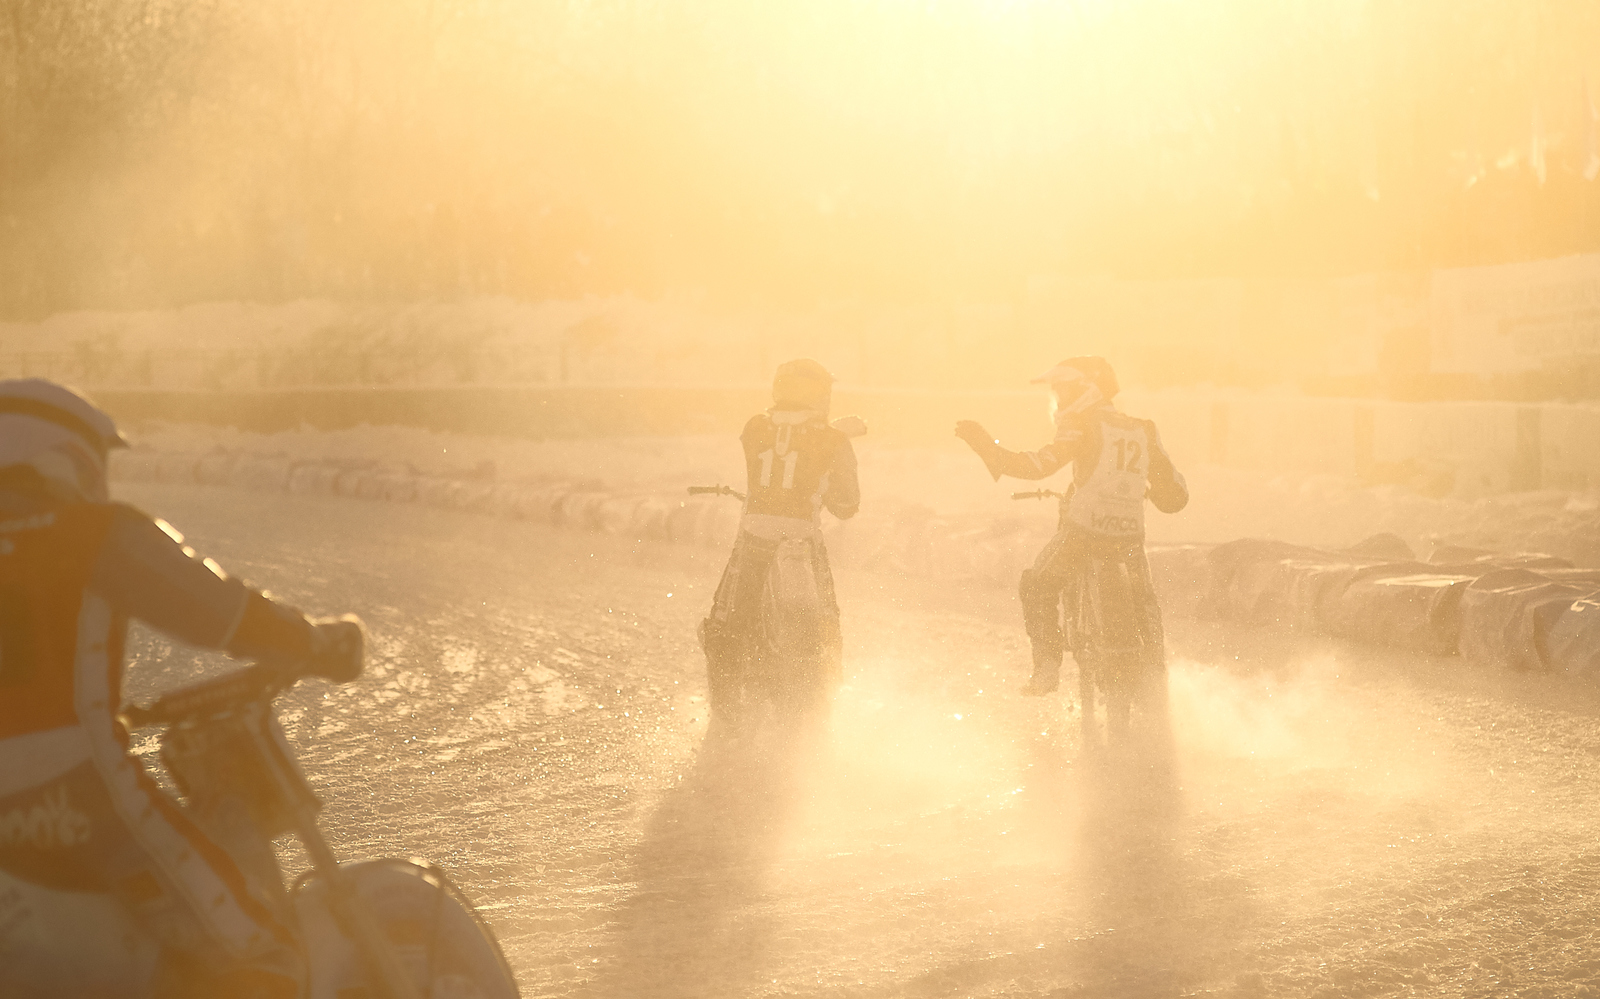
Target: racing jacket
77, 810
795, 465
1117, 462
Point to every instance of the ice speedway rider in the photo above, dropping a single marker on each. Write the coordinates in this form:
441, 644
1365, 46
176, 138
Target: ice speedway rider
796, 463
78, 813
1097, 554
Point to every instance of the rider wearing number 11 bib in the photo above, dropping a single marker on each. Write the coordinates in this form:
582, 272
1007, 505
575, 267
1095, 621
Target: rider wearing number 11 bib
796, 464
1096, 559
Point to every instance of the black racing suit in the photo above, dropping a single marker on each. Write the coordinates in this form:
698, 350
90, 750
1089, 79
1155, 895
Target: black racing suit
795, 465
1096, 558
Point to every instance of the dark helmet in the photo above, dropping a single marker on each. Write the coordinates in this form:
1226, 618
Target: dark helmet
1086, 368
802, 382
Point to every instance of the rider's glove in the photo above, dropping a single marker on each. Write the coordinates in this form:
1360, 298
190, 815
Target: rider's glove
337, 648
850, 426
976, 437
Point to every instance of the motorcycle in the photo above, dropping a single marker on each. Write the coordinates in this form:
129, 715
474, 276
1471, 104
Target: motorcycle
1105, 676
785, 662
382, 929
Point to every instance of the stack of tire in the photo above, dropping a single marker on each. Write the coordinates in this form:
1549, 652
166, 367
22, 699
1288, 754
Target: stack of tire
1524, 611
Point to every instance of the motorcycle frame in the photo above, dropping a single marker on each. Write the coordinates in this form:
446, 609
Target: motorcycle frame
294, 806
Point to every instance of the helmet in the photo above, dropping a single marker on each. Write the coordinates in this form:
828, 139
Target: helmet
1086, 368
61, 435
802, 383
1080, 383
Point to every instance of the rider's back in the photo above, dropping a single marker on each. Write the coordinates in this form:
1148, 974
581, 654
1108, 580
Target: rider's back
1118, 462
796, 464
47, 557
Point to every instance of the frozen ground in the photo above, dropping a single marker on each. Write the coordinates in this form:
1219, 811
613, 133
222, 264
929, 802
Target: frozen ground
1334, 823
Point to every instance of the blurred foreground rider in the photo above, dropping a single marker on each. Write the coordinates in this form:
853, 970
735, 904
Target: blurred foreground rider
74, 567
796, 463
1097, 555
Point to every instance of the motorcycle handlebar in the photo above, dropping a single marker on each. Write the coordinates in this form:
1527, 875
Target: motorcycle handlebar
715, 491
219, 693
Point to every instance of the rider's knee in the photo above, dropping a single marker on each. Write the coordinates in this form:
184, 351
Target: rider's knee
1039, 593
716, 637
1028, 585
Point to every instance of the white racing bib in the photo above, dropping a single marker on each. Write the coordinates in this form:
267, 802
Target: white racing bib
1111, 500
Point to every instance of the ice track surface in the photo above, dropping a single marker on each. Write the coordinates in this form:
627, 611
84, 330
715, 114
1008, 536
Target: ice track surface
1336, 822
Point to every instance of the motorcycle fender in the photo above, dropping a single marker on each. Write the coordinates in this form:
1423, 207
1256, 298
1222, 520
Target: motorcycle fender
70, 943
793, 578
435, 931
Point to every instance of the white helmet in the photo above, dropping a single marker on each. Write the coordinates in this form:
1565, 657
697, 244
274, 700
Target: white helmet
60, 434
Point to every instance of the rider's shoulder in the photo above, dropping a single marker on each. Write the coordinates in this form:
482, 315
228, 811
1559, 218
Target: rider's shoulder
828, 439
124, 517
1149, 427
1070, 426
1126, 421
127, 512
121, 518
758, 423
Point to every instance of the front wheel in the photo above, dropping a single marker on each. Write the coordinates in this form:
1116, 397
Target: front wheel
436, 933
1132, 694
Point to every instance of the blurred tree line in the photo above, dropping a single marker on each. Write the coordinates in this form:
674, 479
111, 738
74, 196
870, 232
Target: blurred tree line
156, 152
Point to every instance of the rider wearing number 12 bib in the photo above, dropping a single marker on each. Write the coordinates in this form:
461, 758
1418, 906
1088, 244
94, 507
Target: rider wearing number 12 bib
1097, 555
796, 464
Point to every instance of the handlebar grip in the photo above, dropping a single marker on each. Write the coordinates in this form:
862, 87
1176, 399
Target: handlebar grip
715, 491
338, 649
337, 652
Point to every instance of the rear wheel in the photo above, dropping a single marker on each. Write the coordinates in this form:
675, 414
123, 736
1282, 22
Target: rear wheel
791, 673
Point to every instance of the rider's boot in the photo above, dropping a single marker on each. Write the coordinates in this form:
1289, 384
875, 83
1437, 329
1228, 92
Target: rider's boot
1046, 674
1042, 682
723, 668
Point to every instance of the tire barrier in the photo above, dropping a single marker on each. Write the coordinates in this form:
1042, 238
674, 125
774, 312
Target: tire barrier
587, 506
1507, 615
1522, 610
1525, 611
1573, 645
1416, 611
215, 469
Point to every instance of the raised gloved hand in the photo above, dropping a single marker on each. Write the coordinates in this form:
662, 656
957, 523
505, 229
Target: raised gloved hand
337, 648
976, 437
850, 426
